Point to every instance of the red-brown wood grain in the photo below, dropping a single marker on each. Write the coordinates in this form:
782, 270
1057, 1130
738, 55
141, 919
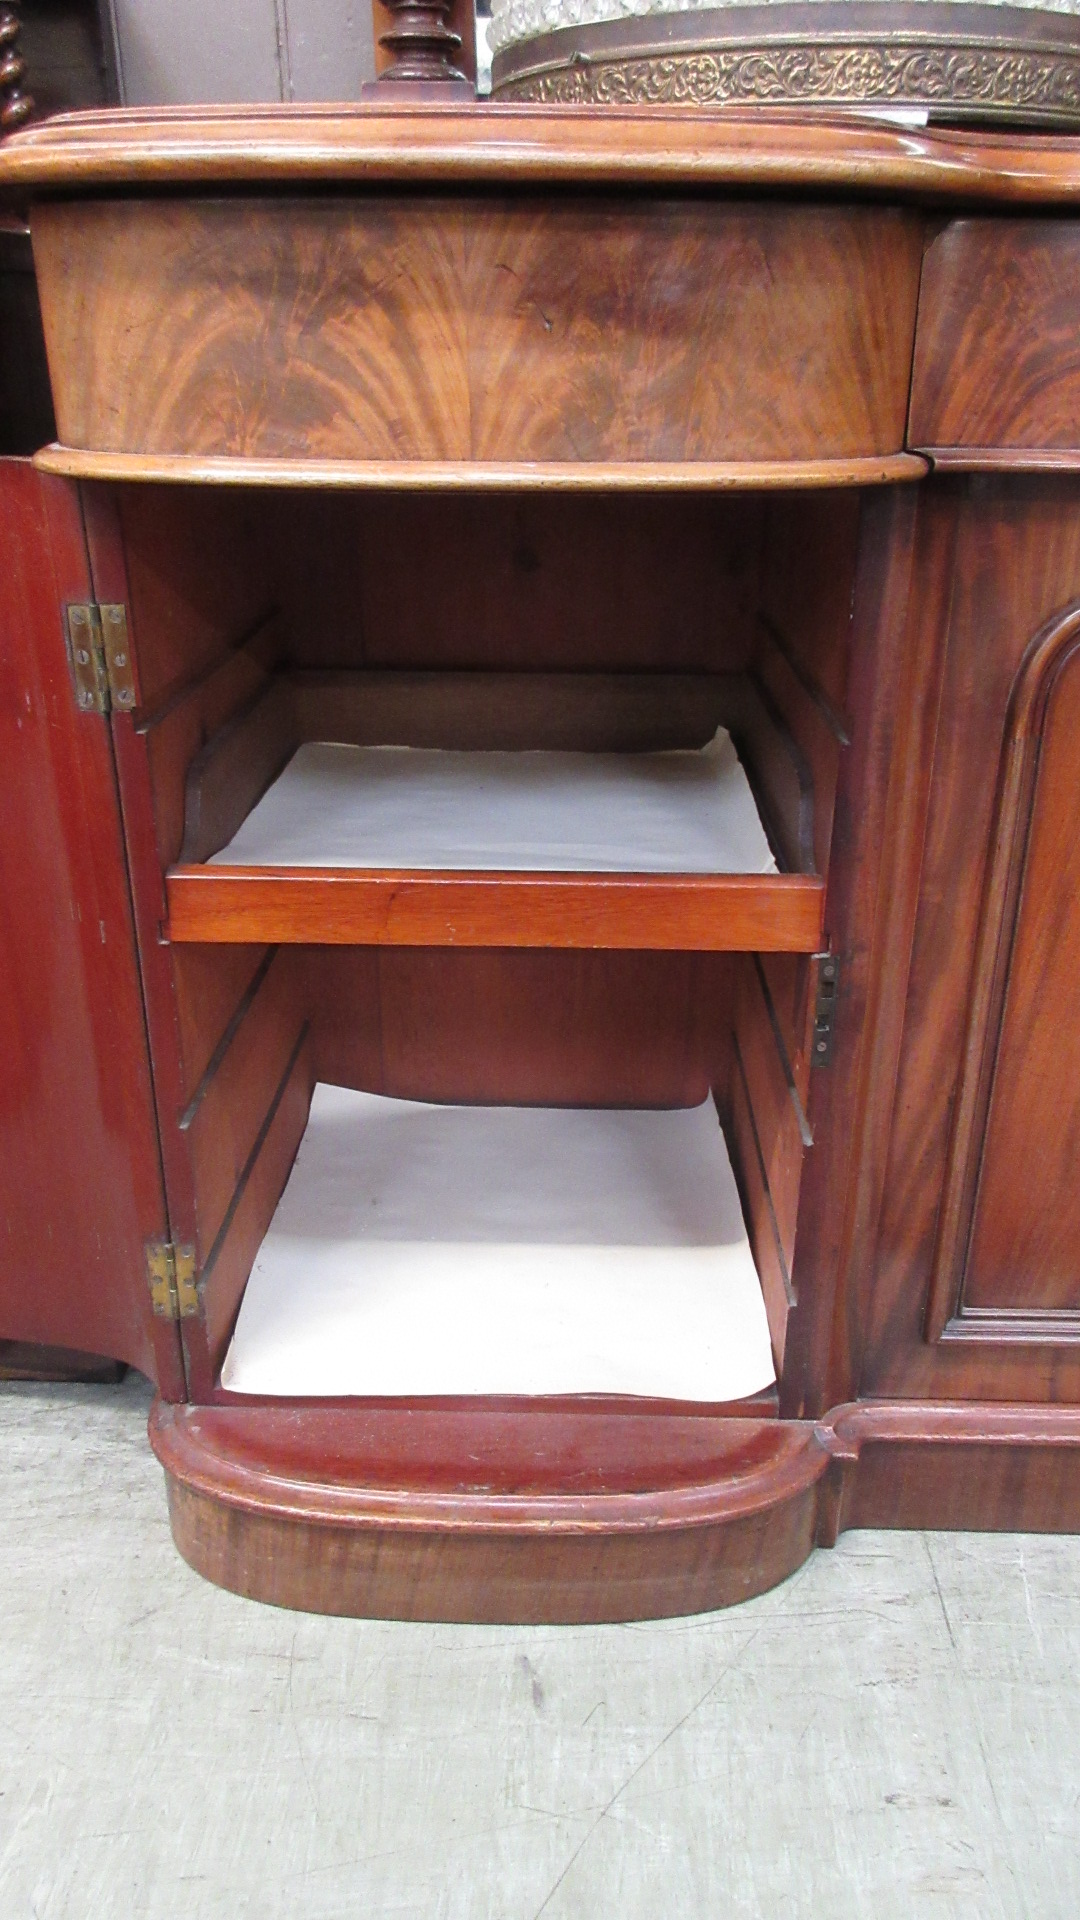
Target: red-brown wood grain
997, 359
518, 1515
525, 330
1024, 1251
591, 582
752, 148
346, 906
1015, 565
519, 1026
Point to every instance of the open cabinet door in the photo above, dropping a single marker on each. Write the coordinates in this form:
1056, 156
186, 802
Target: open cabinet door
81, 1197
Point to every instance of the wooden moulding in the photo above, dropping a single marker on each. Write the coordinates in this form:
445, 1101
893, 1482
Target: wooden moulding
485, 476
488, 1516
760, 147
726, 912
517, 334
526, 1515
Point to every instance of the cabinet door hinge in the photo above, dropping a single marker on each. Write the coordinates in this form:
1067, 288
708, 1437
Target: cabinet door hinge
170, 1270
100, 657
828, 983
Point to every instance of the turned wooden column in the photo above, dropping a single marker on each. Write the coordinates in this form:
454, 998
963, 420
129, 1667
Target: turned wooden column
15, 105
420, 49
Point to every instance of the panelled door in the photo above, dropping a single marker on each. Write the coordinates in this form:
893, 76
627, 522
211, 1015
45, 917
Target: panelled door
975, 1284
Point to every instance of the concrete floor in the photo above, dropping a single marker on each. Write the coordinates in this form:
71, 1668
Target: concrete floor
895, 1732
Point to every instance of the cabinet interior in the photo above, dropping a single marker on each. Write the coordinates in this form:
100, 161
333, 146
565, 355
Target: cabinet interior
597, 622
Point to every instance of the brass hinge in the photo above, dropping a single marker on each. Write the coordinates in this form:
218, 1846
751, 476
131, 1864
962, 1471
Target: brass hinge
828, 982
174, 1292
100, 657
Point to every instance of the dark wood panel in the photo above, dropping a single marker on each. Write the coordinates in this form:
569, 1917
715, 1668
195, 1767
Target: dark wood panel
532, 580
1016, 562
563, 1029
80, 1185
1009, 1234
807, 581
997, 357
22, 1360
412, 329
339, 906
196, 573
498, 1515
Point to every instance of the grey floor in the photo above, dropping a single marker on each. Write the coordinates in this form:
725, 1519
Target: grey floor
894, 1732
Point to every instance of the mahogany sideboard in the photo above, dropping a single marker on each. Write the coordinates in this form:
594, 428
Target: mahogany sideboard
466, 425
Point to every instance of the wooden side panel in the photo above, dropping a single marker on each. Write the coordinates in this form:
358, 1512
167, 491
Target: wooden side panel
779, 1122
1017, 562
802, 654
229, 1107
213, 986
997, 353
80, 1182
748, 1159
788, 979
197, 579
257, 1192
570, 329
175, 736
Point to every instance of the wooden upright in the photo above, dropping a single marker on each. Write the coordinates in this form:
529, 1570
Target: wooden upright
495, 427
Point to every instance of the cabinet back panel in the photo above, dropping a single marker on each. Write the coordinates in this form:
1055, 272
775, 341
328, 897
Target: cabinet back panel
530, 580
604, 1029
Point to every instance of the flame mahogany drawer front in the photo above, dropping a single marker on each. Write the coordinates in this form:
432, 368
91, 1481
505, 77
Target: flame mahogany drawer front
997, 351
565, 328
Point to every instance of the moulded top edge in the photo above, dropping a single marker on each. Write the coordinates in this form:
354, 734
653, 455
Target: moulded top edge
492, 144
858, 470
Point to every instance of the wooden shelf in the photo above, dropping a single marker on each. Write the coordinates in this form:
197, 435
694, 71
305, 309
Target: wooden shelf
511, 906
718, 913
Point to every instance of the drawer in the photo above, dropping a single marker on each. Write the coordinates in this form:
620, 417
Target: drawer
574, 329
996, 378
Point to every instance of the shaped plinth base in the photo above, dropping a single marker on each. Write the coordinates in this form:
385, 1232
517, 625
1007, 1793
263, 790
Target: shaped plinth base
500, 1513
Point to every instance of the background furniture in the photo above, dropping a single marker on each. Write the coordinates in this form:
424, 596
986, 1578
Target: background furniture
505, 428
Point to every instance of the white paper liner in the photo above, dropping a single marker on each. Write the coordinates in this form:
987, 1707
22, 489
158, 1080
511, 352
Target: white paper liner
436, 1250
419, 807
